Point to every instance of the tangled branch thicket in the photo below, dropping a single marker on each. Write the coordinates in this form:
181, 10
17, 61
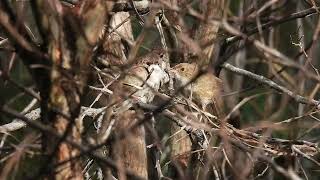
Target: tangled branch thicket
179, 89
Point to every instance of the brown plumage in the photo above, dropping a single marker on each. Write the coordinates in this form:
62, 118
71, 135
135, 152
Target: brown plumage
206, 89
155, 56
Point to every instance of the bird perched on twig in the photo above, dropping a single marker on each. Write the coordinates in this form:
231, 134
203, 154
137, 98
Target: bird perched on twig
205, 90
156, 56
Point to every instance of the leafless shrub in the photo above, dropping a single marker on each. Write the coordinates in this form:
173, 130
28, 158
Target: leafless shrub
161, 89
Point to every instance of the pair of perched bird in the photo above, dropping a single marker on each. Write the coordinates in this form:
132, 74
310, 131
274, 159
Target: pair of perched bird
204, 88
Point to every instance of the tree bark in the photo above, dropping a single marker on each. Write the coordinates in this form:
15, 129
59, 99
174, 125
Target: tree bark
70, 50
206, 35
207, 32
129, 152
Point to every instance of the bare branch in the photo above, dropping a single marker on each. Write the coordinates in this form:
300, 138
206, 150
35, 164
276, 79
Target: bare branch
268, 82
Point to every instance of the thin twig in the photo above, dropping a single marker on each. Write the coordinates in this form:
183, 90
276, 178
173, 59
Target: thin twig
268, 82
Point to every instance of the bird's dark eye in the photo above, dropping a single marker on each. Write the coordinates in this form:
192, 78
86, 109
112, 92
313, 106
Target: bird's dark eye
182, 69
161, 55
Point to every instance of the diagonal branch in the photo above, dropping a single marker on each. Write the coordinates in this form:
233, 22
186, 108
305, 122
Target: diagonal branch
272, 84
13, 33
84, 149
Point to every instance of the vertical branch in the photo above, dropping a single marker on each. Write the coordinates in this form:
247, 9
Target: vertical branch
180, 142
71, 37
181, 148
129, 152
175, 27
207, 35
207, 32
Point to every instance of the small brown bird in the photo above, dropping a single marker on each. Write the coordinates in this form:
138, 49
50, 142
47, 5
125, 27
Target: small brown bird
136, 77
155, 56
205, 90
